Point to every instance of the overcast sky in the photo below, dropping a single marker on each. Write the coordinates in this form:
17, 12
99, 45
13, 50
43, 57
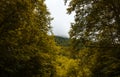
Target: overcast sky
61, 22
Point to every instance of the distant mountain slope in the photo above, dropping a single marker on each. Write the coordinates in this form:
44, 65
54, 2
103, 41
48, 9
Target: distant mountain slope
62, 41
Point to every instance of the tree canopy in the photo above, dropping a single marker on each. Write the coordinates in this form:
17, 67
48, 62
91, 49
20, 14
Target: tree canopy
97, 26
24, 25
96, 21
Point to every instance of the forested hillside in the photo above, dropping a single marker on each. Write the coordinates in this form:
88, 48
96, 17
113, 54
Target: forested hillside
26, 49
62, 41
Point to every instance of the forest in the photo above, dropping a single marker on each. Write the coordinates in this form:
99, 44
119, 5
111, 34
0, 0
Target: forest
27, 50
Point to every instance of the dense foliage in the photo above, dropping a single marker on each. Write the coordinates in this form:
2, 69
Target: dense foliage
26, 49
95, 35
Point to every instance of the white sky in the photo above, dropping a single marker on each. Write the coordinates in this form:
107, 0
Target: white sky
61, 22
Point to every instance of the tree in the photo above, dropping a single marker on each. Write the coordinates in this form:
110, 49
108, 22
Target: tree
103, 26
97, 25
24, 25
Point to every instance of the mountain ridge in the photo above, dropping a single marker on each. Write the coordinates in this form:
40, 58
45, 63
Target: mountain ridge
61, 40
